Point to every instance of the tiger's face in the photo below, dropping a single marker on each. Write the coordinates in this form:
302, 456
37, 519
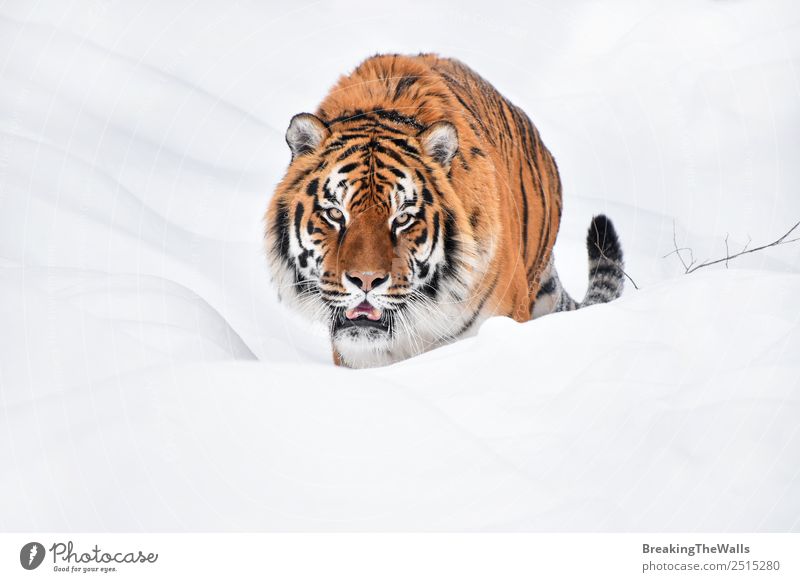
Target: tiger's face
363, 235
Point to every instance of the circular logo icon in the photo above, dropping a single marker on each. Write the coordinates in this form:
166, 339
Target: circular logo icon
31, 555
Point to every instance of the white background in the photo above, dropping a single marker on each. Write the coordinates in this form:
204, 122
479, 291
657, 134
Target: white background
149, 381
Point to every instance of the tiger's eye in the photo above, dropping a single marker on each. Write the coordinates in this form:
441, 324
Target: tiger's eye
334, 214
402, 219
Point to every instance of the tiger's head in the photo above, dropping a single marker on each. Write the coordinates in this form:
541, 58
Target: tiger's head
366, 234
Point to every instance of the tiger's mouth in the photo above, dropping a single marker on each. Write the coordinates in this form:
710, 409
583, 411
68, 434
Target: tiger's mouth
363, 309
365, 316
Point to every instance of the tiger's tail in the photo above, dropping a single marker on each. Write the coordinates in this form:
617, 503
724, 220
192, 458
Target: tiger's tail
606, 275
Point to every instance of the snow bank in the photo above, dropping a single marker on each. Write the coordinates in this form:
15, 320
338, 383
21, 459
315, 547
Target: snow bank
657, 411
150, 381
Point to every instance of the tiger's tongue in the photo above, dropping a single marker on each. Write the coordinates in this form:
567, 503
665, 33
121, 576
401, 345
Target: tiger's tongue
363, 308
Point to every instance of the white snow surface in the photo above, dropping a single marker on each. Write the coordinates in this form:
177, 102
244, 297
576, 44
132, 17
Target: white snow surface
150, 381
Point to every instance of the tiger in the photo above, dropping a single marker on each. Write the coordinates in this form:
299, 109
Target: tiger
418, 203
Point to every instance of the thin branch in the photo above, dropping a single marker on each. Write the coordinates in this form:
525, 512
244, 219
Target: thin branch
692, 267
675, 242
679, 250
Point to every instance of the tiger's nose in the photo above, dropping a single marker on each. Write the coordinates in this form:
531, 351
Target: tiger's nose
367, 280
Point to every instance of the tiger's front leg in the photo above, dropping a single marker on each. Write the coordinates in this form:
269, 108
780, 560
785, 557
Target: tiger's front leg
337, 359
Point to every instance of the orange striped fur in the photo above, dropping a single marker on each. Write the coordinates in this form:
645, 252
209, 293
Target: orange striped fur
379, 184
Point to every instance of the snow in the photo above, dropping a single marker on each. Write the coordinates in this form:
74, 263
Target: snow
149, 380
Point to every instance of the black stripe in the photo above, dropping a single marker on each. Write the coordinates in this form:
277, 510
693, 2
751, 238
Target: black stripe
600, 285
405, 146
312, 187
475, 117
530, 158
397, 117
420, 240
351, 136
524, 217
281, 226
547, 288
350, 151
391, 153
403, 85
450, 245
357, 114
298, 218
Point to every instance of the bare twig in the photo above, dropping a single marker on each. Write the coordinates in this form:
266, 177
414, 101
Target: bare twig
692, 266
678, 251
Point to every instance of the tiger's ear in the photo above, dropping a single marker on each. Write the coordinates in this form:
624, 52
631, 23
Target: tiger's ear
440, 141
305, 133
